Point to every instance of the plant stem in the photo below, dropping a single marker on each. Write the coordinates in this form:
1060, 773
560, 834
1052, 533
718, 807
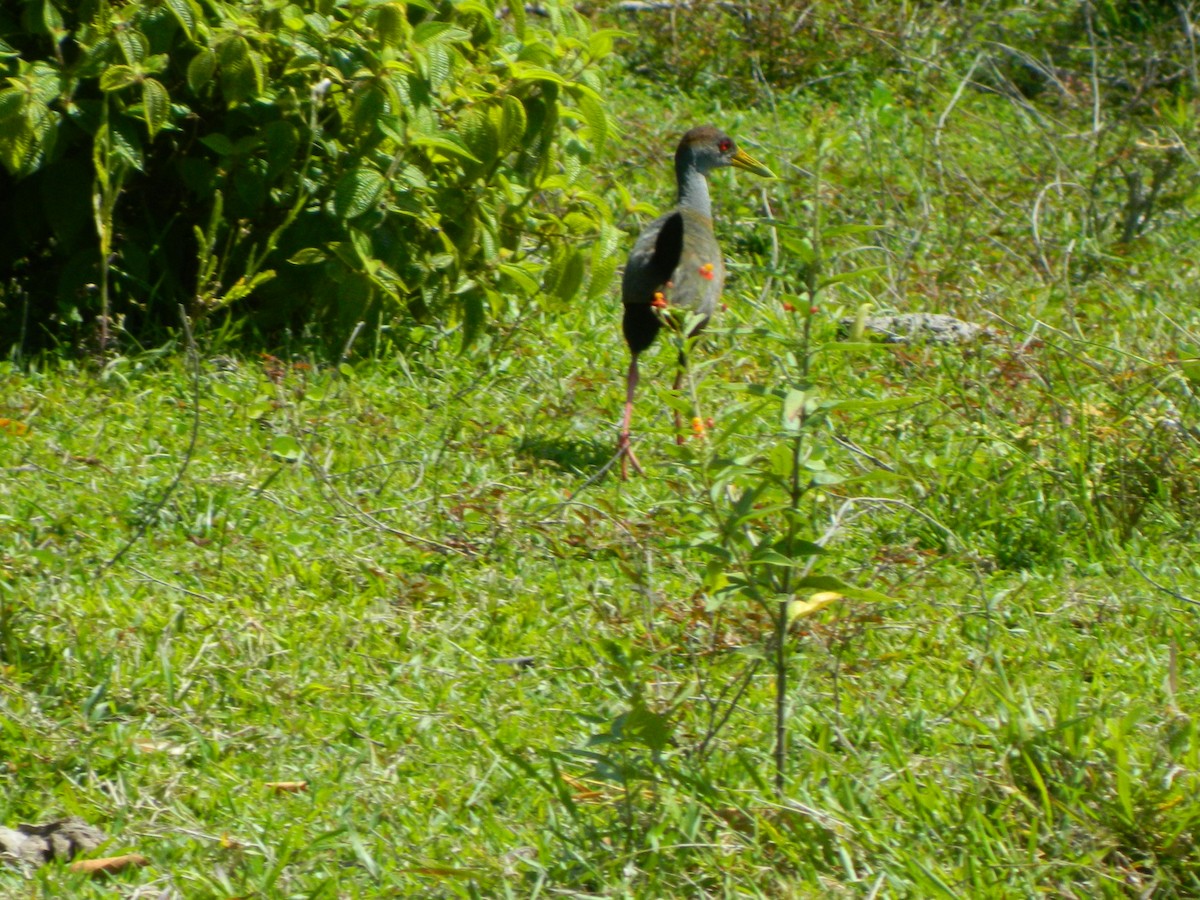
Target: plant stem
110, 174
799, 484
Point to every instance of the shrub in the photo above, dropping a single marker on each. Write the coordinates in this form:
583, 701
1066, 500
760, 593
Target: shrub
314, 163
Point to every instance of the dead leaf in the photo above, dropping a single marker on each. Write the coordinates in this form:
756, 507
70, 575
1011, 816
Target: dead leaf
798, 609
109, 864
149, 745
288, 787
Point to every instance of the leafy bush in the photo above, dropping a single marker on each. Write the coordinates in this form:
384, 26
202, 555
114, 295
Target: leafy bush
307, 164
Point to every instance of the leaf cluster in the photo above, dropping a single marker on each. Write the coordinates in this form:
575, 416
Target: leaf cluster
316, 164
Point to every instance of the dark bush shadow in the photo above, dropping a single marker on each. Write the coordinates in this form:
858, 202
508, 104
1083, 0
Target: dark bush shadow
570, 455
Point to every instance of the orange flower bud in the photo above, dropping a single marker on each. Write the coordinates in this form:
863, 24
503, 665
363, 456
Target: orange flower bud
660, 300
706, 271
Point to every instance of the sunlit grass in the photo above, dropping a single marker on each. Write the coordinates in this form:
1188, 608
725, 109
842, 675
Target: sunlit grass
400, 582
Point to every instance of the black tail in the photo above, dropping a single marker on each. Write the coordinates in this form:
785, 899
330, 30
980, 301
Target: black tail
640, 326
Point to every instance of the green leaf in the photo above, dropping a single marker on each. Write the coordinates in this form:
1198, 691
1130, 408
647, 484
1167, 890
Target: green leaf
801, 248
126, 143
134, 46
512, 124
309, 256
436, 60
369, 106
852, 275
200, 70
218, 143
357, 191
45, 82
363, 248
604, 272
431, 33
517, 10
600, 42
17, 144
52, 20
234, 52
244, 287
185, 15
447, 143
285, 447
386, 279
524, 72
793, 405
345, 252
391, 23
156, 64
825, 479
830, 583
646, 727
317, 23
473, 318
241, 71
596, 117
12, 106
571, 278
116, 78
524, 279
775, 558
156, 105
477, 131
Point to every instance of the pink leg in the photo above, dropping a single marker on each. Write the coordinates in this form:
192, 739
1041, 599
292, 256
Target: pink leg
624, 448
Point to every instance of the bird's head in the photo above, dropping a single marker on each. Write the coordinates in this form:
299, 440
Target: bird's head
706, 148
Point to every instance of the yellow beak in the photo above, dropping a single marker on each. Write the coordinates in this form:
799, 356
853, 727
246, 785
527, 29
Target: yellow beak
744, 160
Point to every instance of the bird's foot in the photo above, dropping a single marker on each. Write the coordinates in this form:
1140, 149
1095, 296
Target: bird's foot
625, 451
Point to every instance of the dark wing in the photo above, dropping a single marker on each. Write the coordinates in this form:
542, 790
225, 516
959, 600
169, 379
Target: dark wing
651, 265
652, 260
668, 248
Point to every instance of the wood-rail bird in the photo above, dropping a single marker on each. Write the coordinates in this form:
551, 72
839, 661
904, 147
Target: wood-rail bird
676, 262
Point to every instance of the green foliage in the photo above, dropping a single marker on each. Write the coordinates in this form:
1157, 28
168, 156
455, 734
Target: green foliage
748, 51
405, 580
307, 164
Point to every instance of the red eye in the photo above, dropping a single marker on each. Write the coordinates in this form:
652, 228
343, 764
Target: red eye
724, 145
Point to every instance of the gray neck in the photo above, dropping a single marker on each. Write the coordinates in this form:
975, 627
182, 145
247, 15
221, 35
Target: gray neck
693, 191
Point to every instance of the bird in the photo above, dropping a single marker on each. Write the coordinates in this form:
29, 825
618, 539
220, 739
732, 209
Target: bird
676, 263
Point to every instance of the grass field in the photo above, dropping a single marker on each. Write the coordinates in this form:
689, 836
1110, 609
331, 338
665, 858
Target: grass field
404, 581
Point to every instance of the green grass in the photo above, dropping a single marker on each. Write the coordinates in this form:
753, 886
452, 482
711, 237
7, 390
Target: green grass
335, 588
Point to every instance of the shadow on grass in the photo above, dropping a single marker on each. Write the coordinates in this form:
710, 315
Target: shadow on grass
577, 456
